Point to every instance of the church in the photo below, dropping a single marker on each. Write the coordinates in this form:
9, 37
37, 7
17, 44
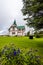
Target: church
15, 30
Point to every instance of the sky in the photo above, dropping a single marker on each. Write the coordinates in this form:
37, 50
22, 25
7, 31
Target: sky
10, 10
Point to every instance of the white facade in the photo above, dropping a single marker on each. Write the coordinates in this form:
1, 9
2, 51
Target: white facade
16, 32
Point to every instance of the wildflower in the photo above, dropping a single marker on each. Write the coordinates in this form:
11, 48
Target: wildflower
15, 53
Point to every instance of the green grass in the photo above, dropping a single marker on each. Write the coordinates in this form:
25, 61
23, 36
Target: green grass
23, 42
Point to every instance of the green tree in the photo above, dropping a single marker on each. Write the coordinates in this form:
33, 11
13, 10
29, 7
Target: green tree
33, 9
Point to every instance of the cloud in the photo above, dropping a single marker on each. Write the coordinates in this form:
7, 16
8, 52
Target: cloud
10, 10
4, 32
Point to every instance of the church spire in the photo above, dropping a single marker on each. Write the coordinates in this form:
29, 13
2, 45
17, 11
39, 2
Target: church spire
15, 23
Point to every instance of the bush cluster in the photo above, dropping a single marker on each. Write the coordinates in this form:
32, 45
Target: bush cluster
9, 55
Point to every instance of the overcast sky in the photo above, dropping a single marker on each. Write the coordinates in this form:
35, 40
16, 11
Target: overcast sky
10, 10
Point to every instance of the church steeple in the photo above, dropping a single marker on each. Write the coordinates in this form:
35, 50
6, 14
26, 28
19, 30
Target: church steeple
15, 23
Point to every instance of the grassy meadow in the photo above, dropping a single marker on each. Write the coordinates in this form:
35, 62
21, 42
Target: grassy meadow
23, 43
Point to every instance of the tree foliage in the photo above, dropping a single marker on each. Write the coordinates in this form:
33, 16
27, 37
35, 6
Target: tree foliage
34, 11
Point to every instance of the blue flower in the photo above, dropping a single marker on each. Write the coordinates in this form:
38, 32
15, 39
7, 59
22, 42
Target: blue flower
15, 53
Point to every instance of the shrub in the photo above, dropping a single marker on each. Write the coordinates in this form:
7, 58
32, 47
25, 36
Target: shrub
9, 55
33, 58
38, 36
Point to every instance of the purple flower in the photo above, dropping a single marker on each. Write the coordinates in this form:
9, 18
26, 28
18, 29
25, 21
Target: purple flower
15, 53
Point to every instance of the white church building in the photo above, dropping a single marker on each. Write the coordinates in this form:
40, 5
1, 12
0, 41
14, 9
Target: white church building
15, 30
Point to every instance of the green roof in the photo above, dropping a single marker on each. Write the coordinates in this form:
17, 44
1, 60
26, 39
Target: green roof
20, 27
